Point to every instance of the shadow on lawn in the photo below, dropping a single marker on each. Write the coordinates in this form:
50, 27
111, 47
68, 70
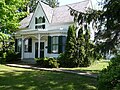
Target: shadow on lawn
44, 80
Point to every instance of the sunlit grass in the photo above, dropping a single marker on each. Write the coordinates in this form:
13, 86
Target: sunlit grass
27, 79
96, 67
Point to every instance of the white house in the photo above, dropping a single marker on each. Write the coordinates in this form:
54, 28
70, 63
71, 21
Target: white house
43, 33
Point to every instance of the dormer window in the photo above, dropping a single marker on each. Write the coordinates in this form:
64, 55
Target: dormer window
40, 23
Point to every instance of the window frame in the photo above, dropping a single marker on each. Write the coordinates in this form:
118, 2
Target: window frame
40, 22
18, 47
28, 47
55, 44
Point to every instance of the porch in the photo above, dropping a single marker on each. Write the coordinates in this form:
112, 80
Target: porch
39, 44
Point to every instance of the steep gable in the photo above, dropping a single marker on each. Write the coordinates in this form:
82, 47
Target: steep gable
39, 12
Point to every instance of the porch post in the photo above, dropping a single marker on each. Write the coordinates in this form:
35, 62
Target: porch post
38, 45
22, 53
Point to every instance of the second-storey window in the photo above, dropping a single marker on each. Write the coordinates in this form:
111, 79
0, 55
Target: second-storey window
40, 23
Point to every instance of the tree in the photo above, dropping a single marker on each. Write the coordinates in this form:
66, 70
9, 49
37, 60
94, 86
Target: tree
6, 41
51, 3
84, 48
109, 78
70, 47
106, 22
79, 50
110, 34
10, 14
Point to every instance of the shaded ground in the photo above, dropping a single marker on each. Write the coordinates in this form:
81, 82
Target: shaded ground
27, 79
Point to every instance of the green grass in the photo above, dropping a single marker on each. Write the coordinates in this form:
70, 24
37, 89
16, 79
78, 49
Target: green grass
96, 67
27, 79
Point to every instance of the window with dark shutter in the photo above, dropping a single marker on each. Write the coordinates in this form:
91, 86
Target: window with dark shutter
56, 44
49, 44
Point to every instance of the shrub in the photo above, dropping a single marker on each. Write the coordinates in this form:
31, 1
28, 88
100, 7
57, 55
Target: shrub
53, 63
65, 62
47, 62
3, 58
109, 78
12, 56
9, 56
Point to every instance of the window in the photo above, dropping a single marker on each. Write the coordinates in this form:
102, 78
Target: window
40, 23
40, 20
28, 45
55, 44
18, 45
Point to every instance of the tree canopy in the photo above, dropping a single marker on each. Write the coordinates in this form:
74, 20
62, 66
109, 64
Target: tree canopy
10, 13
107, 24
51, 3
110, 34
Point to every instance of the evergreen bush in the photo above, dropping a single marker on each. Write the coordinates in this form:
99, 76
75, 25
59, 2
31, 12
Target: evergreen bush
47, 62
109, 78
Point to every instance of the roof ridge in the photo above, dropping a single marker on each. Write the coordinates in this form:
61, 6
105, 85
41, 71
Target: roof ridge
72, 3
53, 15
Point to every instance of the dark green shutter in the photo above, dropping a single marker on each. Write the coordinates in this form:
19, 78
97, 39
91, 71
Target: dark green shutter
30, 45
43, 26
35, 20
43, 20
16, 44
60, 44
49, 44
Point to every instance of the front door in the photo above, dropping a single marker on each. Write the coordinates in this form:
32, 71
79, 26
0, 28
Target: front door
36, 50
41, 49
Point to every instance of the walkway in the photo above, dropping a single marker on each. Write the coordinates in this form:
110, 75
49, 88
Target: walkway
53, 69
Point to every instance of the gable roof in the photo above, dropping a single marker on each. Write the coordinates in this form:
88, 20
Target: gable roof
59, 14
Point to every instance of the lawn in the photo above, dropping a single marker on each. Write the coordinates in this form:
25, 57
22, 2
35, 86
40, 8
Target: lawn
95, 68
27, 79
